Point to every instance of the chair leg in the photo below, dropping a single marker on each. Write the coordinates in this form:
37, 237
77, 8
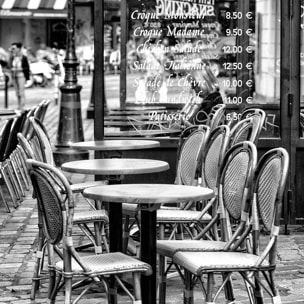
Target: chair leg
13, 182
15, 176
188, 292
22, 169
210, 285
38, 264
112, 291
4, 199
126, 234
162, 279
228, 289
10, 188
137, 288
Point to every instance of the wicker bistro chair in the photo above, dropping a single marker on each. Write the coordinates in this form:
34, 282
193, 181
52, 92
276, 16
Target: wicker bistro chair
8, 158
42, 145
231, 204
269, 184
177, 217
217, 116
247, 129
56, 204
5, 176
83, 219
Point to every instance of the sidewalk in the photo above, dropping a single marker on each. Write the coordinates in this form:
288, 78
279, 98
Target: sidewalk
18, 232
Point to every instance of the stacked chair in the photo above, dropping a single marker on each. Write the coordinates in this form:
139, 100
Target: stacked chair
266, 199
13, 173
230, 204
247, 195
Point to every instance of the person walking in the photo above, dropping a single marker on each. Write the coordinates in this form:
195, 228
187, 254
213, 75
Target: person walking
20, 70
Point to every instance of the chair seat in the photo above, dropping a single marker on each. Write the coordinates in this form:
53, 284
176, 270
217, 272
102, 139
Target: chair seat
90, 216
201, 262
108, 263
164, 215
169, 247
79, 187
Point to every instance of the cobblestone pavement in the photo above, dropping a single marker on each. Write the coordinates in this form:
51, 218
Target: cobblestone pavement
18, 239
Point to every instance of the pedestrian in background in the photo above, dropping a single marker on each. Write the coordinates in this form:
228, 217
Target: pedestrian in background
20, 70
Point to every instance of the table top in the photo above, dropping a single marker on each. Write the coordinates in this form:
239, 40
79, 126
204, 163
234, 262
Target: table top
126, 117
130, 123
148, 193
115, 166
139, 108
135, 112
4, 112
116, 144
143, 133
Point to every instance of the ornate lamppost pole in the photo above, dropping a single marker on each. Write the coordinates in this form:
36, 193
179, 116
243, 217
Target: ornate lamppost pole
70, 120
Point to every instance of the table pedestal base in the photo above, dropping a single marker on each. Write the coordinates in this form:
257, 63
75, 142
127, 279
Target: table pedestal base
148, 255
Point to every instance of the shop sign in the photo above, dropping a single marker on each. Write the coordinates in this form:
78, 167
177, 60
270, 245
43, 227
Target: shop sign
31, 14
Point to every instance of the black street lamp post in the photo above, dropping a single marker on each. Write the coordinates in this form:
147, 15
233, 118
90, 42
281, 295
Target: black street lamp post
70, 127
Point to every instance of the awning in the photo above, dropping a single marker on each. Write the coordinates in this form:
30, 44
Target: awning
33, 8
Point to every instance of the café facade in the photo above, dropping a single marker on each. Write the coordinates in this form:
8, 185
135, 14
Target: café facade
254, 48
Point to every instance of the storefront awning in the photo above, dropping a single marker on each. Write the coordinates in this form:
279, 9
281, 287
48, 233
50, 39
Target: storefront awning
33, 8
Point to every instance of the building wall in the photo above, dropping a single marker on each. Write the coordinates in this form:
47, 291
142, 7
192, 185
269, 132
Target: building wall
11, 30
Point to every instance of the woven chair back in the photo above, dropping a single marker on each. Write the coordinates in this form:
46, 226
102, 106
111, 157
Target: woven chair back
190, 154
4, 135
51, 203
213, 155
16, 127
246, 130
42, 141
236, 176
270, 183
26, 147
27, 129
217, 116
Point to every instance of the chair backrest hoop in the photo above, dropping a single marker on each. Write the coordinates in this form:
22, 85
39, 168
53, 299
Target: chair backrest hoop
236, 177
25, 145
43, 140
190, 154
48, 185
217, 116
270, 180
4, 135
246, 130
213, 155
16, 127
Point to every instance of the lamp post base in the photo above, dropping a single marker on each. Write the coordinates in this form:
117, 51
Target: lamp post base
63, 155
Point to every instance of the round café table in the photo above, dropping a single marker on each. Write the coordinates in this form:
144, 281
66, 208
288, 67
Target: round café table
115, 144
115, 166
126, 117
143, 133
139, 108
7, 112
135, 112
148, 197
133, 123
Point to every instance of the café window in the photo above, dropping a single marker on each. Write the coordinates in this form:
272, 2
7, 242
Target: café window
183, 51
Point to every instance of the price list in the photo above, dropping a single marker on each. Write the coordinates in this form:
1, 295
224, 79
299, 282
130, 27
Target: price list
169, 49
